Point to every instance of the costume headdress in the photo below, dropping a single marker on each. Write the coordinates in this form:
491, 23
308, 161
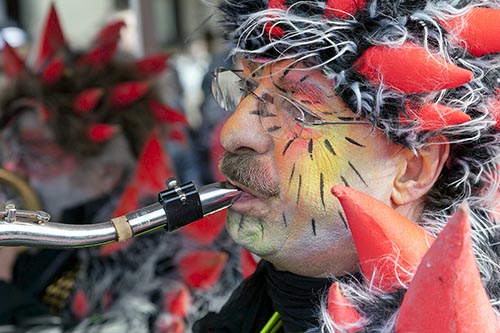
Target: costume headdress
88, 97
415, 70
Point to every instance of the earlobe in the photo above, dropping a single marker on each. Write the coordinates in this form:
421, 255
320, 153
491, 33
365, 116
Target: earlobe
419, 172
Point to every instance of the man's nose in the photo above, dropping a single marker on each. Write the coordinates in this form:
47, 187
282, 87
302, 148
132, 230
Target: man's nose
243, 133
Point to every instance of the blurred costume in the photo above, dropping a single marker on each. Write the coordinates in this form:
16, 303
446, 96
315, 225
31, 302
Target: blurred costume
420, 72
100, 113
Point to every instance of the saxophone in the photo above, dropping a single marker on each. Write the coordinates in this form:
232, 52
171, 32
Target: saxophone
177, 206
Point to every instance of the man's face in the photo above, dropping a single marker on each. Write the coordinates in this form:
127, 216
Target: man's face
287, 214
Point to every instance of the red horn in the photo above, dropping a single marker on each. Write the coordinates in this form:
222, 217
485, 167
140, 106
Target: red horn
87, 100
53, 72
342, 9
446, 294
52, 38
435, 116
410, 69
99, 133
126, 93
164, 114
341, 311
152, 65
14, 66
478, 30
389, 245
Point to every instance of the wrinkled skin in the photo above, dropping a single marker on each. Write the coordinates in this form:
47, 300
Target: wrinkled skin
287, 214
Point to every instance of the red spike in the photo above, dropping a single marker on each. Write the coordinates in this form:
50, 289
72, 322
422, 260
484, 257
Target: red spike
248, 263
446, 294
177, 134
87, 100
98, 57
177, 300
52, 38
342, 312
152, 65
128, 201
110, 33
201, 269
477, 30
343, 9
153, 167
272, 29
206, 230
410, 69
126, 93
53, 72
389, 245
164, 114
435, 116
101, 132
13, 65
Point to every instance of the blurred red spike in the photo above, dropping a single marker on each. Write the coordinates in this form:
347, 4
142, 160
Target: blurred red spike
176, 134
477, 30
270, 27
165, 114
13, 65
101, 132
341, 311
87, 100
98, 57
389, 245
177, 300
435, 116
410, 69
202, 269
153, 167
446, 294
152, 65
343, 9
53, 71
110, 33
52, 38
248, 263
126, 93
206, 230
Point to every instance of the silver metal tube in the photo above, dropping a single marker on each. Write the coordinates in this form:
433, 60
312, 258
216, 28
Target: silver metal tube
29, 228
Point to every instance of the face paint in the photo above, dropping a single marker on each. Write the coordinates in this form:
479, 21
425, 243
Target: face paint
299, 226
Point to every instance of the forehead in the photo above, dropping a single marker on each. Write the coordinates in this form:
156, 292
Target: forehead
296, 79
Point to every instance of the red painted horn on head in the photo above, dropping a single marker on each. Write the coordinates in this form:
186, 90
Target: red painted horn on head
389, 245
446, 294
410, 69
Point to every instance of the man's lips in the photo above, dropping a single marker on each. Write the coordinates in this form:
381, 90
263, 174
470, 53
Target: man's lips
247, 192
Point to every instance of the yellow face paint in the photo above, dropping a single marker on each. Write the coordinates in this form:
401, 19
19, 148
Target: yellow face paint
303, 223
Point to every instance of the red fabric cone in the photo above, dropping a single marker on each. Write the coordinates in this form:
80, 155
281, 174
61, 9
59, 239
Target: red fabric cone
98, 57
126, 93
110, 33
177, 301
343, 9
53, 72
164, 114
206, 230
101, 132
202, 269
341, 311
87, 100
410, 69
13, 65
389, 245
478, 30
52, 38
446, 294
435, 116
152, 65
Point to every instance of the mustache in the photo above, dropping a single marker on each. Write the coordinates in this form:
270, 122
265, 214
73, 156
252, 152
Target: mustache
248, 171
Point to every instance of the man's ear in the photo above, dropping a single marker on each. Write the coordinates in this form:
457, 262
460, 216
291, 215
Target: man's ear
419, 172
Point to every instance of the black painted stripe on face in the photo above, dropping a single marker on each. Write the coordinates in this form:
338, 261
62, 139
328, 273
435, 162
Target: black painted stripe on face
261, 228
291, 175
273, 128
322, 189
354, 142
313, 224
300, 186
310, 149
288, 144
305, 77
357, 172
241, 223
344, 181
343, 219
284, 220
255, 112
329, 146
